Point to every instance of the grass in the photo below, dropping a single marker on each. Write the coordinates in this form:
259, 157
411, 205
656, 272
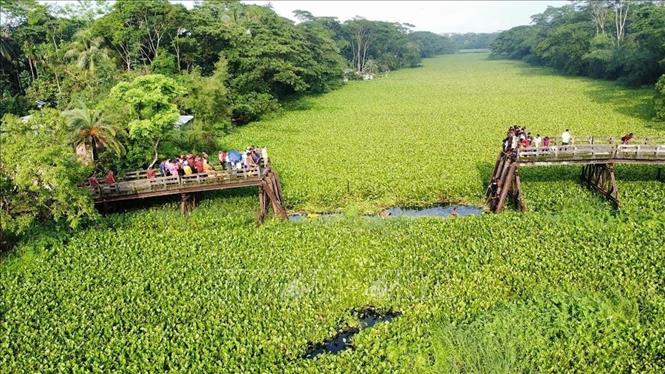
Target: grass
570, 286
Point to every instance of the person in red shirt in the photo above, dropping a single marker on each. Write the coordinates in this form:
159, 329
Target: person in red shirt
626, 138
198, 164
93, 181
150, 173
110, 178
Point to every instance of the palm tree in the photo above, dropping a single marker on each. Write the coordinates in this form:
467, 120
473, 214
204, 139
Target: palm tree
90, 130
87, 51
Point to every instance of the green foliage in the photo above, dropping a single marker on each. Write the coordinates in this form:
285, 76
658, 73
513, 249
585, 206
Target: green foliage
659, 99
39, 174
151, 113
566, 331
568, 286
151, 99
207, 100
430, 44
151, 290
164, 63
472, 40
89, 129
386, 43
564, 38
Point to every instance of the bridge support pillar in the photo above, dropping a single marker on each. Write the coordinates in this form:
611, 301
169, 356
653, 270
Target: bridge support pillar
600, 177
187, 203
510, 187
270, 193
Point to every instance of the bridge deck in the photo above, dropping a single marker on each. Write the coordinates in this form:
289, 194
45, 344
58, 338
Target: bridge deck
138, 186
592, 154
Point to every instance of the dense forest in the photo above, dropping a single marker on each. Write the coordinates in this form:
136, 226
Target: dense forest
473, 40
608, 39
54, 56
111, 81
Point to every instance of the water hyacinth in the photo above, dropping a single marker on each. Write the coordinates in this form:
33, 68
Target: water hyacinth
568, 286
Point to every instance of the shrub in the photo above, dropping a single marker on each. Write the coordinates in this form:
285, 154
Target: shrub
659, 99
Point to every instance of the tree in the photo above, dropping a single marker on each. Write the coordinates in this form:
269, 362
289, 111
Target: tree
430, 44
599, 12
137, 30
206, 99
39, 174
87, 51
361, 39
89, 131
153, 112
621, 8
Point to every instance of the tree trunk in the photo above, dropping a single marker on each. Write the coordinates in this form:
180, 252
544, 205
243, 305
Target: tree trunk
32, 73
177, 54
94, 149
154, 160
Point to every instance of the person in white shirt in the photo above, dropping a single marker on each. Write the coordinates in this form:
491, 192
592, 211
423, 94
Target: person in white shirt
565, 137
537, 141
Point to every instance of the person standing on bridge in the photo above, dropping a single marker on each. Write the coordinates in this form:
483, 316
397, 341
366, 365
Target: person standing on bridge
187, 168
222, 159
110, 178
514, 142
198, 165
150, 173
565, 137
93, 181
162, 168
537, 141
626, 138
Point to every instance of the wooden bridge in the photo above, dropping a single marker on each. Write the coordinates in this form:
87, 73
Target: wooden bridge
136, 185
597, 159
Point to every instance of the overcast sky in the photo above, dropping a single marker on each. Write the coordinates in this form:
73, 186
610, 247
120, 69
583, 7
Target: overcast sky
435, 16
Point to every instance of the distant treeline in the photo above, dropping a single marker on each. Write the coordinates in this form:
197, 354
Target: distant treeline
618, 39
58, 56
473, 40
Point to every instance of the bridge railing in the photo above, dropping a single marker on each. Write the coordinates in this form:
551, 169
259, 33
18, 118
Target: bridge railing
593, 152
607, 140
140, 183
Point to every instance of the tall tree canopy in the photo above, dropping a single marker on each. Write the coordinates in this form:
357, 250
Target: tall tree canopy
619, 39
39, 174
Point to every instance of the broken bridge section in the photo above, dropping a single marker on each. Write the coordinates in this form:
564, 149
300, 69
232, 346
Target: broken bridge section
137, 186
597, 161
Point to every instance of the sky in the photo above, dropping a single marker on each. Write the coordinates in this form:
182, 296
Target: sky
436, 16
451, 16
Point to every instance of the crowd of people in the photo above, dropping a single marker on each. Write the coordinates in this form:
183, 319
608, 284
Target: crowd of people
109, 178
189, 164
200, 164
518, 137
